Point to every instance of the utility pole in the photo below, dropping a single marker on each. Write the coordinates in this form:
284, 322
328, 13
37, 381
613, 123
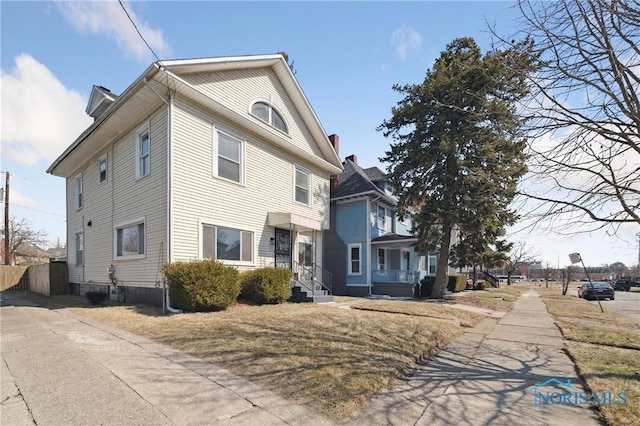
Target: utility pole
7, 256
638, 265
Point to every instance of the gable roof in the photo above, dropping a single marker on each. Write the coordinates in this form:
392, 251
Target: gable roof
99, 100
152, 89
356, 181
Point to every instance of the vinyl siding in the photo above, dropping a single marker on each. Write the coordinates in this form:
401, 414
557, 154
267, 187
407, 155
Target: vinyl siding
119, 199
237, 89
268, 187
351, 227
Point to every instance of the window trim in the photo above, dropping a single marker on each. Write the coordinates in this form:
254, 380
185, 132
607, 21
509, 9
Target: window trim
79, 191
350, 259
383, 218
103, 160
435, 264
296, 168
384, 259
272, 108
215, 156
79, 235
140, 131
127, 224
218, 224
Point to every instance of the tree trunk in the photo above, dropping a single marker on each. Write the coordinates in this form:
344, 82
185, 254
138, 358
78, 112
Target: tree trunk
443, 260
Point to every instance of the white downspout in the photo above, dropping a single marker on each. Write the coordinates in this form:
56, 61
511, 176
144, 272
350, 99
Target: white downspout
368, 244
169, 202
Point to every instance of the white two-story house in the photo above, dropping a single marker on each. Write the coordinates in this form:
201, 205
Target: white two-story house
218, 158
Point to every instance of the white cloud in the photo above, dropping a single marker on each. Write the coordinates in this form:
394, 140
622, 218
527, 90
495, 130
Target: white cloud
40, 116
19, 199
404, 39
108, 17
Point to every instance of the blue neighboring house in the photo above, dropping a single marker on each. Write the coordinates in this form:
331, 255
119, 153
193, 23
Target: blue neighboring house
367, 249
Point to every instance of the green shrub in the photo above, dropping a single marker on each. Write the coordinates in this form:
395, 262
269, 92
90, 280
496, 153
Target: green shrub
457, 283
204, 285
96, 297
266, 285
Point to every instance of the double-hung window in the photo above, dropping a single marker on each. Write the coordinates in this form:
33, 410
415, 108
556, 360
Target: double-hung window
224, 243
355, 259
79, 192
102, 168
143, 151
80, 249
130, 240
432, 264
228, 157
382, 218
382, 259
302, 185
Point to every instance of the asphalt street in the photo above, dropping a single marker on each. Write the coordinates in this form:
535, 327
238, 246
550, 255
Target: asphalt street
627, 303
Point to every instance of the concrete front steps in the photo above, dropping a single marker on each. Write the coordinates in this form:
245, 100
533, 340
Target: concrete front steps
301, 293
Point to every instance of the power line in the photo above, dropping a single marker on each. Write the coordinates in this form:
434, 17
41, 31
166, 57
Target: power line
169, 78
36, 210
137, 30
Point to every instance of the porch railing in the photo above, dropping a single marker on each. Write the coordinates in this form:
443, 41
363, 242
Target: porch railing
395, 276
313, 278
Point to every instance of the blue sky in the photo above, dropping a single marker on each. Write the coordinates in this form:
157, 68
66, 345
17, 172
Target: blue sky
347, 56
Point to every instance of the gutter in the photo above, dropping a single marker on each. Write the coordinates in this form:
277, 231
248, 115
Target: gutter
129, 91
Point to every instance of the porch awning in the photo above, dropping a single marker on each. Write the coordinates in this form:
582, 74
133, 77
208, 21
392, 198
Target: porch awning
391, 237
293, 221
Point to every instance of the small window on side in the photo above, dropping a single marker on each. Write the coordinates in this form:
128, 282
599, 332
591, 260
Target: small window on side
102, 168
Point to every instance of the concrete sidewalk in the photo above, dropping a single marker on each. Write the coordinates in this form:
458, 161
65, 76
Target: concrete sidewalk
60, 369
487, 377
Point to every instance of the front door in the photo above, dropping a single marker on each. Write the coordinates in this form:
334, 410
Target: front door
283, 248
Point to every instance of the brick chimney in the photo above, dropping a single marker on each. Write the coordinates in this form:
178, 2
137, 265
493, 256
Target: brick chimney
352, 158
335, 143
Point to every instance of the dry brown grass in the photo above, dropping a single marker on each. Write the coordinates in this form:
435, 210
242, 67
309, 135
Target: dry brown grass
605, 348
496, 299
609, 369
422, 308
327, 358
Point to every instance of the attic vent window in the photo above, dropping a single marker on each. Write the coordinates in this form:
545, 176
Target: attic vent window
267, 113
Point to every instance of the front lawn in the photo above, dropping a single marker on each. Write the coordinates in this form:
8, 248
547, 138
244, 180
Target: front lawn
330, 359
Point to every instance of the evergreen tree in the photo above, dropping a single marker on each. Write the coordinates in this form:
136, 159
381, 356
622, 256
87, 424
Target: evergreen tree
458, 150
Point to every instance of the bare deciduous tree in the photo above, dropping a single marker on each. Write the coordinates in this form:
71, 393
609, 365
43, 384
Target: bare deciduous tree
584, 114
21, 233
519, 256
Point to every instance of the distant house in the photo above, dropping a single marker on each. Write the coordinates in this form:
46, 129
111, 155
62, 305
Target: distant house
28, 254
368, 249
57, 254
219, 158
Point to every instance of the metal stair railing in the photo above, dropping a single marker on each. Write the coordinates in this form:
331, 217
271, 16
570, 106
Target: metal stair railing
313, 278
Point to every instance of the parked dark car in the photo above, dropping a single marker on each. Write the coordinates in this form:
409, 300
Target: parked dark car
596, 289
625, 285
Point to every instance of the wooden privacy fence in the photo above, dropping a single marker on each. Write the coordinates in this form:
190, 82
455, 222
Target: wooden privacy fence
10, 276
46, 278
